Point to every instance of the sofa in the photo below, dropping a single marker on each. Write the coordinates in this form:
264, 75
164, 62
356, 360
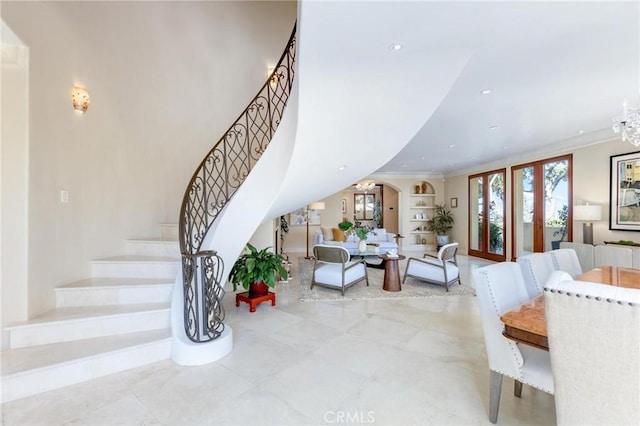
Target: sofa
333, 236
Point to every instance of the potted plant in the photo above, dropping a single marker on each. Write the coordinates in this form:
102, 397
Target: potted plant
441, 223
255, 270
563, 216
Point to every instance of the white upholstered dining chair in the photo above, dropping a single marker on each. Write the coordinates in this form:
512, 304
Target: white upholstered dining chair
594, 342
333, 269
566, 259
500, 287
442, 269
536, 269
585, 253
613, 256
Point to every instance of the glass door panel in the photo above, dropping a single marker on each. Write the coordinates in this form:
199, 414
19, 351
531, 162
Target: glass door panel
556, 203
523, 204
496, 213
487, 215
475, 223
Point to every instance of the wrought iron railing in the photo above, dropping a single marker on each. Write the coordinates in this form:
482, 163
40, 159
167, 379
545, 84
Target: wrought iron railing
214, 182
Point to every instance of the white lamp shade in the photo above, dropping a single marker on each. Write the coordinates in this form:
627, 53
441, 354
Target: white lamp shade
587, 213
318, 205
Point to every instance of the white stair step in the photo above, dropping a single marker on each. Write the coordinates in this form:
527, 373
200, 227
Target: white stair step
112, 291
136, 266
154, 247
29, 371
83, 322
169, 231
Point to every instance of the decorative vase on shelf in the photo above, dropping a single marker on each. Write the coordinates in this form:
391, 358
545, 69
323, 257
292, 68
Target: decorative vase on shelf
362, 246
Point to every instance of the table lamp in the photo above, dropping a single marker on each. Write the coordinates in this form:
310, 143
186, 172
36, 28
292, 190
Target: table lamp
587, 213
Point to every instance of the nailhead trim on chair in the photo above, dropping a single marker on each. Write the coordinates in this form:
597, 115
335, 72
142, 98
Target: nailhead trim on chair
587, 296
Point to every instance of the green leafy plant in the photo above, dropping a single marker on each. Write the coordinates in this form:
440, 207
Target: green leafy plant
563, 216
255, 266
442, 220
345, 225
377, 214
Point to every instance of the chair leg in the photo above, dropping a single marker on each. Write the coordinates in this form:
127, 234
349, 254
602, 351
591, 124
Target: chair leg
495, 387
517, 388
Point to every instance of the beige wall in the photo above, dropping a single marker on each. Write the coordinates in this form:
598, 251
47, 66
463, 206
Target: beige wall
14, 160
166, 79
590, 184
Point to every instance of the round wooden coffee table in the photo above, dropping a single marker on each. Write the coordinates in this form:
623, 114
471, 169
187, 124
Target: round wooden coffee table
391, 272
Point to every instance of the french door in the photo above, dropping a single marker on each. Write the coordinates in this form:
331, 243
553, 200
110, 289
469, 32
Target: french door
541, 208
487, 215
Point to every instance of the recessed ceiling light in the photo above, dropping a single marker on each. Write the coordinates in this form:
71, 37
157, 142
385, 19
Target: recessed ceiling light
342, 167
422, 158
396, 46
451, 146
505, 147
486, 91
580, 132
404, 165
494, 127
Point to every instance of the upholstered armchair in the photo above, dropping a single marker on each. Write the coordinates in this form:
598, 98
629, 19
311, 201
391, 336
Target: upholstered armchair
442, 269
536, 269
500, 287
594, 341
566, 259
333, 269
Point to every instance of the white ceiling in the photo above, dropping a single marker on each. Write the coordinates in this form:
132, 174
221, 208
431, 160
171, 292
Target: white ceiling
555, 68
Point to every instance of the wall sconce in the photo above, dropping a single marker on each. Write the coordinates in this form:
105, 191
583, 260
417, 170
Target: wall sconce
588, 214
80, 98
274, 77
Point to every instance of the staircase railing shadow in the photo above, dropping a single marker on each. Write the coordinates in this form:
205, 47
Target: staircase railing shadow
213, 184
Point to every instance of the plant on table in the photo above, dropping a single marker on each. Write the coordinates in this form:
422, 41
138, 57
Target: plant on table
255, 270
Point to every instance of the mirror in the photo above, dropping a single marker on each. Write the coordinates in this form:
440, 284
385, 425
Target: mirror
363, 206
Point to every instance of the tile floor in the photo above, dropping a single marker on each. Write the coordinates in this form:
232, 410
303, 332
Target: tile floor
378, 362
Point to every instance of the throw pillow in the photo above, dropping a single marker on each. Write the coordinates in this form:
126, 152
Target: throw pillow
327, 235
338, 234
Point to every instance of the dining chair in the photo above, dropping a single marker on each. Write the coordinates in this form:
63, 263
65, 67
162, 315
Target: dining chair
566, 259
442, 269
536, 269
585, 253
594, 341
500, 287
333, 269
613, 256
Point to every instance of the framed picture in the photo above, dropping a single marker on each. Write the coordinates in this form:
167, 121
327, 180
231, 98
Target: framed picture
624, 195
454, 202
299, 217
344, 205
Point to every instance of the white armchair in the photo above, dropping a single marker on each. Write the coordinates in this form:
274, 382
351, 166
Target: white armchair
333, 269
536, 269
566, 259
500, 287
441, 270
594, 341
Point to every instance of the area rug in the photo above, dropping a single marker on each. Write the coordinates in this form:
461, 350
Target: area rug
410, 288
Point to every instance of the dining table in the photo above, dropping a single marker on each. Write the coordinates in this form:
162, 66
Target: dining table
527, 324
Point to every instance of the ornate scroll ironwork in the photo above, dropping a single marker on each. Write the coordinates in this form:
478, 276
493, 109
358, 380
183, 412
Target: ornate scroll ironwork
203, 311
214, 182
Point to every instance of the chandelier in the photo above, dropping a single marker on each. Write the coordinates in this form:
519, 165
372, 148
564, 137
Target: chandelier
365, 185
628, 124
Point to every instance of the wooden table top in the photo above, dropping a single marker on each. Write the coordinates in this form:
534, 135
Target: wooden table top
527, 323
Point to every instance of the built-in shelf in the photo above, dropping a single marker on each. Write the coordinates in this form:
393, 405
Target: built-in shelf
421, 207
418, 220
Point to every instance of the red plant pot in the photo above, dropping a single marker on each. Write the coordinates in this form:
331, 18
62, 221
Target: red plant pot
257, 289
